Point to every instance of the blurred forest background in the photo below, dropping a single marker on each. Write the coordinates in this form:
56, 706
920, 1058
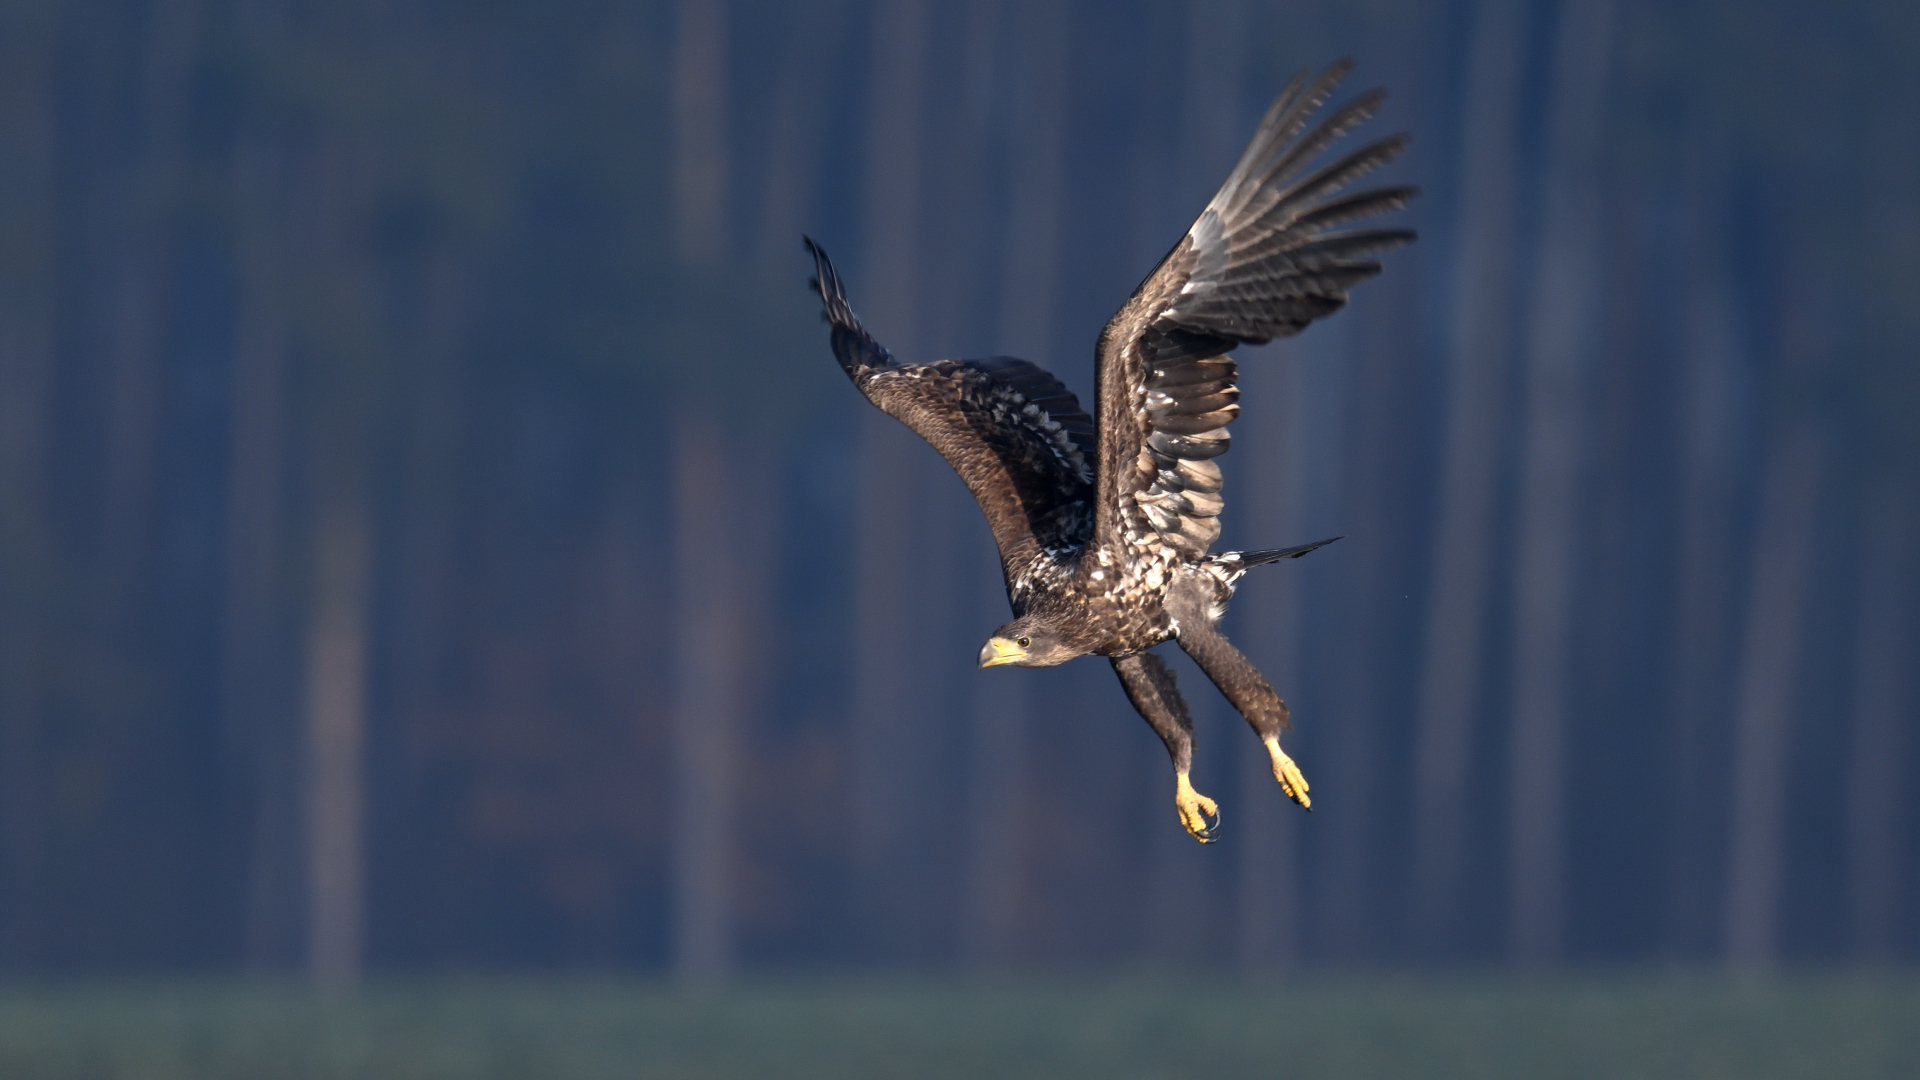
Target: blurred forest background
434, 532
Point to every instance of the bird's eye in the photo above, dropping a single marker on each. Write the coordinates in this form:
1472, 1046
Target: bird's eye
1023, 642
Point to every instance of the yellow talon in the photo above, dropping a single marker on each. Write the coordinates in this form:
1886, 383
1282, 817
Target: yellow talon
1195, 808
1285, 771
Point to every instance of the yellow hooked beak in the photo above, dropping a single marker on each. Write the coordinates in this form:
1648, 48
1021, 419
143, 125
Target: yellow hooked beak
999, 651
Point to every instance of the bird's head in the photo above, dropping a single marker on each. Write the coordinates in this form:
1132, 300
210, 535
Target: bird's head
1028, 642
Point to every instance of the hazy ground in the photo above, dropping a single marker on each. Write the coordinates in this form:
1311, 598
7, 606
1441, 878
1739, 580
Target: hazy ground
1639, 1025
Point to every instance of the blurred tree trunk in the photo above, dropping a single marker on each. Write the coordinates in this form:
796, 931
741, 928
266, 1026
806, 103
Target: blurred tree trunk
1269, 916
1383, 479
790, 197
1346, 855
710, 695
427, 586
136, 280
1880, 811
1882, 706
1715, 417
701, 169
28, 572
1212, 129
1763, 778
889, 716
338, 635
336, 708
634, 653
1552, 453
1460, 600
263, 749
1774, 641
709, 699
965, 289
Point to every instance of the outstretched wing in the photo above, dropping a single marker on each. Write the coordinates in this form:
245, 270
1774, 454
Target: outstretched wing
1267, 257
1017, 437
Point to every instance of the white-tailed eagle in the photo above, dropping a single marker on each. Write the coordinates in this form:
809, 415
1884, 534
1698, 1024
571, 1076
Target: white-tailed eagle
1104, 523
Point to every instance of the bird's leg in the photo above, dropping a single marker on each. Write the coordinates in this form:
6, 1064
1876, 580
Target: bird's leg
1150, 686
1242, 684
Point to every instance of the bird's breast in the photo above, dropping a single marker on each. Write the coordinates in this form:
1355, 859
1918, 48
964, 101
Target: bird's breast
1121, 604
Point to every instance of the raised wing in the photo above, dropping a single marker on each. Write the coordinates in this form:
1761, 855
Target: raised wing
1267, 257
1017, 437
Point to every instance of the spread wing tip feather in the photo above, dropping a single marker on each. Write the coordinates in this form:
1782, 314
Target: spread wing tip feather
826, 281
1285, 119
856, 349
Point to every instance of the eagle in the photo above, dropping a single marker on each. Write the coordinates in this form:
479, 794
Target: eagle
1104, 522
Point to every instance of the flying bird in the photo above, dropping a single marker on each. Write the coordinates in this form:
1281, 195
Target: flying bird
1104, 522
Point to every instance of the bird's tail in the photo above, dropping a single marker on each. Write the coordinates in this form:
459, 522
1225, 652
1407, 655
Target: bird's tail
1228, 566
1250, 559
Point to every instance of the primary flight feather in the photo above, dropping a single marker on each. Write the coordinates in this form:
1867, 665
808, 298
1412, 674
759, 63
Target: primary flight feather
1104, 522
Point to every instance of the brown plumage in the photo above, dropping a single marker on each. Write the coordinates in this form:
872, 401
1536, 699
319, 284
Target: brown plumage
1104, 529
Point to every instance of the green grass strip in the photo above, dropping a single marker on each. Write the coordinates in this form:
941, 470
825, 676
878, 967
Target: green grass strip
1644, 1027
